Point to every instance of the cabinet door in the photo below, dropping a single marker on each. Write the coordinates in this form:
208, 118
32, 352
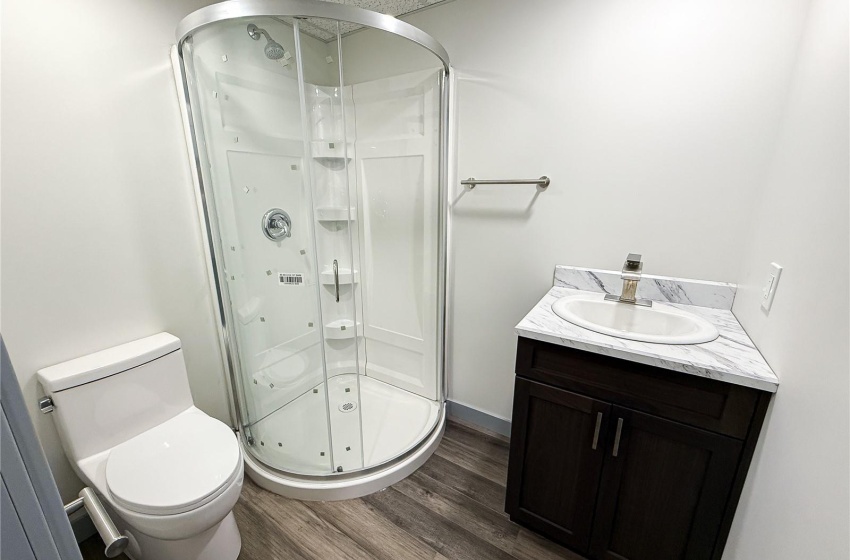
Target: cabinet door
664, 489
557, 451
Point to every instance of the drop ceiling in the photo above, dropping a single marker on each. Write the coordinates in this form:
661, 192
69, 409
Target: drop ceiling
325, 29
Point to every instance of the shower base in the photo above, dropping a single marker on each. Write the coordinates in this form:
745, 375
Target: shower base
295, 439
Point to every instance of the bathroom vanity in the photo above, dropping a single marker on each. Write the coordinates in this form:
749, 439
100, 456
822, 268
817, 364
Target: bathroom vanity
632, 450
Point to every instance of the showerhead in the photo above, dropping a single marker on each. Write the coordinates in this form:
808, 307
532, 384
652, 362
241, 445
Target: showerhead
273, 50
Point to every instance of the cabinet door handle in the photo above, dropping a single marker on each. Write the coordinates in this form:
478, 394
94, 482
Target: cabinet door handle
596, 431
617, 436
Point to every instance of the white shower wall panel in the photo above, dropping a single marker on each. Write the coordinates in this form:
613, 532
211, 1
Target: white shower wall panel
282, 329
397, 174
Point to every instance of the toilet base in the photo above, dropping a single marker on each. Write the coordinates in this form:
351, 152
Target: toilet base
220, 542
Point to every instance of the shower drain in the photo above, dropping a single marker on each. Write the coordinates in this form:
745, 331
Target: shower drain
347, 407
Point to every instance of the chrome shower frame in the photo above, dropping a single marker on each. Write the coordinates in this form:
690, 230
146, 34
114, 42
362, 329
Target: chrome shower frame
237, 9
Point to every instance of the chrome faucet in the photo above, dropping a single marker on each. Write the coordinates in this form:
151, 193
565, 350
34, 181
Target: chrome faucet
630, 274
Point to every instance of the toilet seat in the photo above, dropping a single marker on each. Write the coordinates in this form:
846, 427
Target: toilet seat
175, 467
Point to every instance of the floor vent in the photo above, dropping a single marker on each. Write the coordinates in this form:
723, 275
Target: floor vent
347, 407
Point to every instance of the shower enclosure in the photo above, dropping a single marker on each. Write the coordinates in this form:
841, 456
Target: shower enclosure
321, 158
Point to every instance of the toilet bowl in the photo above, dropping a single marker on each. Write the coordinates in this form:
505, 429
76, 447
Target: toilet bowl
168, 474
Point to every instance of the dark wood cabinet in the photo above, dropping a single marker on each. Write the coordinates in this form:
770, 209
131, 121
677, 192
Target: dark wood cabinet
560, 436
622, 461
663, 490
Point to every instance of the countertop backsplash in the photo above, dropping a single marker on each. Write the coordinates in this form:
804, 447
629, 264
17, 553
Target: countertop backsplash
717, 295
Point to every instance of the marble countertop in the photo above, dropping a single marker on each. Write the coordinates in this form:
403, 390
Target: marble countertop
732, 357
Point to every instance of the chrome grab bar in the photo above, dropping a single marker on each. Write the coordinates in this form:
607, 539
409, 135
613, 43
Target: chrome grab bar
115, 542
542, 182
336, 279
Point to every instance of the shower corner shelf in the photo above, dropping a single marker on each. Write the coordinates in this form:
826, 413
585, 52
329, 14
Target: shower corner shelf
342, 329
334, 214
329, 150
345, 277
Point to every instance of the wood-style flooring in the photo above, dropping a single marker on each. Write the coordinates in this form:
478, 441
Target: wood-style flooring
451, 508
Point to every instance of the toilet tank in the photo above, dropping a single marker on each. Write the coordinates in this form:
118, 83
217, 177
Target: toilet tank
108, 397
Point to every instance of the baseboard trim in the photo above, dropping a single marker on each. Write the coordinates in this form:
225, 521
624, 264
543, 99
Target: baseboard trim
82, 525
479, 418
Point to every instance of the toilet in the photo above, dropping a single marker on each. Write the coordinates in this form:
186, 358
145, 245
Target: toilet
167, 473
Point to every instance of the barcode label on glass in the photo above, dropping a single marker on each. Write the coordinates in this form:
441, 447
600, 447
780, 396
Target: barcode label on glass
289, 279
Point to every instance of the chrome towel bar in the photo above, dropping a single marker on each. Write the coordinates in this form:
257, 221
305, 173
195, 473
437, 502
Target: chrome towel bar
542, 182
115, 542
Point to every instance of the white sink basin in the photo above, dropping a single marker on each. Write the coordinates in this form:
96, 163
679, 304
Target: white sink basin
661, 324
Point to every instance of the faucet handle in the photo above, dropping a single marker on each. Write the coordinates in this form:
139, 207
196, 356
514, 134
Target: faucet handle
633, 259
632, 267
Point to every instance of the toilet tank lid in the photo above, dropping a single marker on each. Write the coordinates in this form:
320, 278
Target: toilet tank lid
107, 362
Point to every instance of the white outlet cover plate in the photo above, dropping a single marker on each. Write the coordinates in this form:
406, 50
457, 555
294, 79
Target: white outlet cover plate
769, 290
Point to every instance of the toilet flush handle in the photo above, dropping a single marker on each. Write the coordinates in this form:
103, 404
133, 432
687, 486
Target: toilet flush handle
45, 405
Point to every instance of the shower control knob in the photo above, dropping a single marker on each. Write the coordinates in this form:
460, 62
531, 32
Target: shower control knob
276, 225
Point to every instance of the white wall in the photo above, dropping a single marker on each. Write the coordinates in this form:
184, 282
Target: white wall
100, 240
795, 504
654, 119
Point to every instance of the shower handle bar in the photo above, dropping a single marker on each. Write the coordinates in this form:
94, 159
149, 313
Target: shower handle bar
336, 280
542, 182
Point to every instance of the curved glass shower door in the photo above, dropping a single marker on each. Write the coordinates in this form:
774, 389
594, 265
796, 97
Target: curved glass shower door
321, 183
270, 280
394, 86
326, 128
